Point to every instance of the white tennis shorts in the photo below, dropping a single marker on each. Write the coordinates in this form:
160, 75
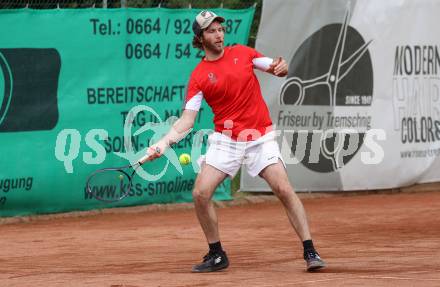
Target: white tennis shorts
228, 155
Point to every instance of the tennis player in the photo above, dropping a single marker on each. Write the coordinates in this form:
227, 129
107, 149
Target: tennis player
243, 134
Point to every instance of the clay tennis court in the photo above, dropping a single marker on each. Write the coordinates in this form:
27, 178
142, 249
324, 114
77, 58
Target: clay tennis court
368, 240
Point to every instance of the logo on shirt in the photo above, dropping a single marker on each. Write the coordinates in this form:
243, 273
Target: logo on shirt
212, 78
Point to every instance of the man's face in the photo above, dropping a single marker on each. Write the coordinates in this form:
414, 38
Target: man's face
213, 37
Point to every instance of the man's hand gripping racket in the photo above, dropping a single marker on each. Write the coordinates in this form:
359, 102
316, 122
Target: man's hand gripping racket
114, 183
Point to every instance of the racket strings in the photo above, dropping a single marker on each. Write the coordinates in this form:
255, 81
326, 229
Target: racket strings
109, 184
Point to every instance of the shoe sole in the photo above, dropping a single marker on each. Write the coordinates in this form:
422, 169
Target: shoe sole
315, 266
213, 269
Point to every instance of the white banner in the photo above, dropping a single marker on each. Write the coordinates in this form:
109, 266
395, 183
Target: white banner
360, 107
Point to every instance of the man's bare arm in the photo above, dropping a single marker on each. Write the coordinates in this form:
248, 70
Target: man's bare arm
177, 132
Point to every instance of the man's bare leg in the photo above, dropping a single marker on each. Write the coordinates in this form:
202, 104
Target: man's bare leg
206, 183
276, 176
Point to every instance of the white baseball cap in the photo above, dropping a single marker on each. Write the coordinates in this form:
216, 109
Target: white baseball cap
204, 19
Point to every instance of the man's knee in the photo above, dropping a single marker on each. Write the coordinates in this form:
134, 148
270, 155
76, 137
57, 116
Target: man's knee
201, 196
283, 191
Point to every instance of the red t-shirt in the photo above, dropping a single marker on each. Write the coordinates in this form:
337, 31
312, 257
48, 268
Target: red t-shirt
232, 90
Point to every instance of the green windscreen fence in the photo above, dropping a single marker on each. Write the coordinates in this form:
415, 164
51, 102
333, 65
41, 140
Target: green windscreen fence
69, 82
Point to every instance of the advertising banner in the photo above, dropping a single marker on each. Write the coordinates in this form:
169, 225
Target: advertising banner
69, 79
360, 107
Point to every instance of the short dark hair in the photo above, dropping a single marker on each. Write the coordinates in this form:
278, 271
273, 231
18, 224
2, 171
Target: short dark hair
197, 42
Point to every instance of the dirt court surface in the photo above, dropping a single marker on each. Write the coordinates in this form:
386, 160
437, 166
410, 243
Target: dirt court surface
369, 240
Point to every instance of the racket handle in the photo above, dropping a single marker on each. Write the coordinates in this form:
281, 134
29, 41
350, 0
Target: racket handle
148, 156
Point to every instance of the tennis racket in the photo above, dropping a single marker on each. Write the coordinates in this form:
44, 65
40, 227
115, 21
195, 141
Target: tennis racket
114, 183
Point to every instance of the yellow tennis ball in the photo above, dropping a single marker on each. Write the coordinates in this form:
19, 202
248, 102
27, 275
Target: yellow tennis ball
121, 177
184, 158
